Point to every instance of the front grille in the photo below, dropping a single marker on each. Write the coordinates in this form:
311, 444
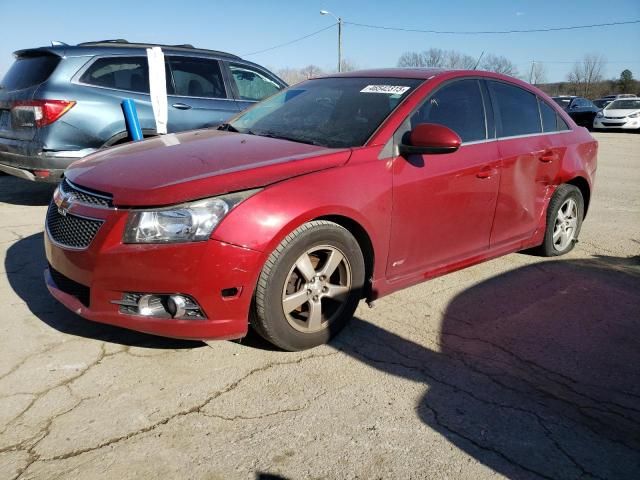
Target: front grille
611, 124
70, 287
614, 118
69, 230
86, 196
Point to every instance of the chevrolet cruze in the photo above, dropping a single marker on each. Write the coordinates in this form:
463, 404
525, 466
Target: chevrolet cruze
337, 189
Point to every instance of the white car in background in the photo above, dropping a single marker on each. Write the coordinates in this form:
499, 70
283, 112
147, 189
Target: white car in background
621, 113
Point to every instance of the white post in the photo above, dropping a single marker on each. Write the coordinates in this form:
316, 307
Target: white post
158, 88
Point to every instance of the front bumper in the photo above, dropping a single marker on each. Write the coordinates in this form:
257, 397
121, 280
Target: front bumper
615, 124
201, 270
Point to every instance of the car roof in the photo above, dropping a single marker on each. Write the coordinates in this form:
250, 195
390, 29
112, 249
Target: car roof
420, 73
118, 47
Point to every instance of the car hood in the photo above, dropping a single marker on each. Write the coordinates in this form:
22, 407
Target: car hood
620, 112
177, 168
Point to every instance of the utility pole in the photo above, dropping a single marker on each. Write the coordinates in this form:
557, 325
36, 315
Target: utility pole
339, 44
339, 20
533, 62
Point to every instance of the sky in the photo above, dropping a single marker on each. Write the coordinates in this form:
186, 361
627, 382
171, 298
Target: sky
247, 26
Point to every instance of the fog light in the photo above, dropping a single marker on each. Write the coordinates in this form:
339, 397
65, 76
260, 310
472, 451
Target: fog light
165, 306
150, 306
177, 306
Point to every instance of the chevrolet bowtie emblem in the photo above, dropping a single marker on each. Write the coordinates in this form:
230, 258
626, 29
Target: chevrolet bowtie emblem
64, 203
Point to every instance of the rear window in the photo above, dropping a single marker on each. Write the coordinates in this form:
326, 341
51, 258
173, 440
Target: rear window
28, 71
122, 73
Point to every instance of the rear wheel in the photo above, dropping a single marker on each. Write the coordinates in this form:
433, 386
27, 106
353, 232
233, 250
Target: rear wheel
309, 287
564, 220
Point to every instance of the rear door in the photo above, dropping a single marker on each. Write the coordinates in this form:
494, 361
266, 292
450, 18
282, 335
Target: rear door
198, 97
531, 160
443, 205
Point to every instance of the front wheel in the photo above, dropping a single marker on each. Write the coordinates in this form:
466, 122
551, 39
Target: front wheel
564, 220
309, 287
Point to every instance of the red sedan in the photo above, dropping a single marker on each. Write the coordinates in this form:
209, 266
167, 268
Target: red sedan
337, 189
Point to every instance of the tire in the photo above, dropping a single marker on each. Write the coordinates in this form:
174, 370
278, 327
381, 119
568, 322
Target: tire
309, 287
566, 205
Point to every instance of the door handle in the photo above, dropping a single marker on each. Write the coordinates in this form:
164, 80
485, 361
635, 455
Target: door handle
547, 156
487, 172
181, 106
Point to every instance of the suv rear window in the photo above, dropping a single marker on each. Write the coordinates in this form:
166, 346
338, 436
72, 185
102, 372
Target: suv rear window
28, 71
122, 73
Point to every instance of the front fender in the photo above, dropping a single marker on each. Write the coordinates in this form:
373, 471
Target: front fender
359, 191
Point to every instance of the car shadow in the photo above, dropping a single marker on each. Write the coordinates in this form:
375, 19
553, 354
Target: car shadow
535, 373
25, 263
16, 191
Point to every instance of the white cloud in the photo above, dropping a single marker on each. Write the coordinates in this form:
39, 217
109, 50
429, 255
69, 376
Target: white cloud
519, 14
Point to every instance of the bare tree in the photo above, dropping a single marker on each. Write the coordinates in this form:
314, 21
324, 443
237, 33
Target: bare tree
290, 75
538, 73
411, 59
432, 58
499, 64
459, 61
586, 73
311, 71
348, 65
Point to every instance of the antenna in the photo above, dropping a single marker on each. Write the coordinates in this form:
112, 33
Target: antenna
57, 43
475, 67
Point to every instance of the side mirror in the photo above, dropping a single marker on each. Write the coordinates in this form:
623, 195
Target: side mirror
429, 138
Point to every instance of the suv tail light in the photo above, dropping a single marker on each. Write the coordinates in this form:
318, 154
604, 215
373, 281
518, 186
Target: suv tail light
38, 113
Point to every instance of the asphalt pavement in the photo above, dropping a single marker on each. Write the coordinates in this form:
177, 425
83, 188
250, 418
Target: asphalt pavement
521, 367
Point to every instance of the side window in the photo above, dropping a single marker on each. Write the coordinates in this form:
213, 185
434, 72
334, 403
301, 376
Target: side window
197, 77
457, 106
548, 115
561, 124
123, 73
252, 85
517, 110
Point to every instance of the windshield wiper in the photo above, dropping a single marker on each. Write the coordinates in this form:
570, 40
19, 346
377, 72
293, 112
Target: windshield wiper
291, 139
228, 127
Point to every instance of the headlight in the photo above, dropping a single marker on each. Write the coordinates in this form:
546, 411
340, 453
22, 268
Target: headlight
190, 222
634, 115
599, 114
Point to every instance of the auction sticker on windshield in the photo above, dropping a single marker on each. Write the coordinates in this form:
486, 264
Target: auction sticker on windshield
388, 89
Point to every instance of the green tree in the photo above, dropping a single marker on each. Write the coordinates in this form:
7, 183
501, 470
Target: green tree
626, 81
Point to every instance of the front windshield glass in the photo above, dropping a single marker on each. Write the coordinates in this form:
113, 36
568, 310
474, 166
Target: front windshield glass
624, 104
332, 112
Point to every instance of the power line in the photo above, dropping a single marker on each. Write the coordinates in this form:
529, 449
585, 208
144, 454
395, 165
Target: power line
488, 32
290, 42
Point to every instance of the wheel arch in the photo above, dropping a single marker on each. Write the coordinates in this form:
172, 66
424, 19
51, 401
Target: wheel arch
364, 241
123, 137
582, 185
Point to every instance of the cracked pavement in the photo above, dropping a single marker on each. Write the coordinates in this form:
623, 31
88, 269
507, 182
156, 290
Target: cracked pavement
521, 367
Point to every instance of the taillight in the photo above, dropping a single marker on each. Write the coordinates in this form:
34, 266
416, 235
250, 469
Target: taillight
38, 113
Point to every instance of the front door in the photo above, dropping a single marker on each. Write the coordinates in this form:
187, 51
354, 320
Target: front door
443, 205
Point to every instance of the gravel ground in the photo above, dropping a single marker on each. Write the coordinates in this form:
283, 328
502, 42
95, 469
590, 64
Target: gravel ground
520, 367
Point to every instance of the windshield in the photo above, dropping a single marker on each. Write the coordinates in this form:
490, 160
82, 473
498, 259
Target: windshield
332, 112
563, 102
624, 104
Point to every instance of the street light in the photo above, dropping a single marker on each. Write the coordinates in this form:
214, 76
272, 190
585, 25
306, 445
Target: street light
326, 12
